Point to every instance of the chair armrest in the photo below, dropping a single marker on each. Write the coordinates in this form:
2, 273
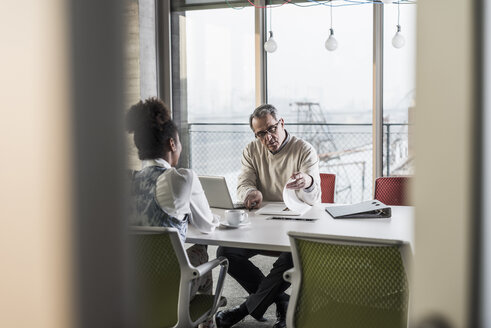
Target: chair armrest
288, 274
205, 267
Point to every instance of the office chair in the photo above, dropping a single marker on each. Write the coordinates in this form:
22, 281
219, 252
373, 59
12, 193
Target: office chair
347, 282
328, 185
392, 190
163, 278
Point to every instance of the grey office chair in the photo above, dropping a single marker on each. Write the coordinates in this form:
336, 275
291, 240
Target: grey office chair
347, 282
163, 278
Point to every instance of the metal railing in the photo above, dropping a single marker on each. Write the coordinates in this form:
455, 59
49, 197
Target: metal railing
343, 149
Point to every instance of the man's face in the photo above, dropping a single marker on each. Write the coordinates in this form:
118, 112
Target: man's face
270, 131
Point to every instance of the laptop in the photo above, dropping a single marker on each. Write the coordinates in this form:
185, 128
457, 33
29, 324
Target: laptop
292, 206
280, 209
216, 191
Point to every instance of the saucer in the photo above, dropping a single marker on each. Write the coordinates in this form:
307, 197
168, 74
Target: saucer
227, 225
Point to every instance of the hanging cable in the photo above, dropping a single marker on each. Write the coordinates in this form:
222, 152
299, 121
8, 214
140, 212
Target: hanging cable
270, 45
322, 3
331, 14
230, 6
262, 7
329, 3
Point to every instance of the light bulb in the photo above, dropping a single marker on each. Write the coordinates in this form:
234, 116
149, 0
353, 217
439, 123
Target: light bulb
398, 40
387, 2
270, 45
331, 42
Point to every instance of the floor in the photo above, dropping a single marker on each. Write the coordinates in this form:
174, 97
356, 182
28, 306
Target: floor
236, 295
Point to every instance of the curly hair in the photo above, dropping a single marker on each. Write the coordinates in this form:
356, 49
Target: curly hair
152, 127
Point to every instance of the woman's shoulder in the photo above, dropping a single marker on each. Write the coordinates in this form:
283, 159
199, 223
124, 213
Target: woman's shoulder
178, 181
181, 175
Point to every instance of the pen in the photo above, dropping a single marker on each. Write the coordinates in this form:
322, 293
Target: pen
291, 218
252, 206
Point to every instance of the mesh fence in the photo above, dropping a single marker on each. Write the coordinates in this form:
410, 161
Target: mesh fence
396, 150
344, 150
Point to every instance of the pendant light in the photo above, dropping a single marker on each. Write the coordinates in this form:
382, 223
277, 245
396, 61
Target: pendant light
270, 45
331, 42
398, 40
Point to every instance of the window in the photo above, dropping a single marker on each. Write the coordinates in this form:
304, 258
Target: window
215, 84
325, 97
399, 89
332, 89
217, 64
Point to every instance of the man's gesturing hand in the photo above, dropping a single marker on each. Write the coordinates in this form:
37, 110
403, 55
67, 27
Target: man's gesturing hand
300, 181
253, 199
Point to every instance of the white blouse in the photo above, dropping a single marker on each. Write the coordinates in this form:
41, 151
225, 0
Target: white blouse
179, 192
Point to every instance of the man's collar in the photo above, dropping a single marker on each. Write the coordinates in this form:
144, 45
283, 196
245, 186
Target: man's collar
287, 138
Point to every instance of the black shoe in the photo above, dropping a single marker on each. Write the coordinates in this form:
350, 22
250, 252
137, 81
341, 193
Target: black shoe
281, 308
228, 318
280, 324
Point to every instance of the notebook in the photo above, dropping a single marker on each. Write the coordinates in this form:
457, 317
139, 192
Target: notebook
372, 209
216, 192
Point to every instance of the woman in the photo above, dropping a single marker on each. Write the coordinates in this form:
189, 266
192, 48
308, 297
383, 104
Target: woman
166, 196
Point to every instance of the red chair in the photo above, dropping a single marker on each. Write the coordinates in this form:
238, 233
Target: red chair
328, 184
392, 190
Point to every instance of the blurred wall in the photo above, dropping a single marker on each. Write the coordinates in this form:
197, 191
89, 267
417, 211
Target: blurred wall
443, 191
62, 181
35, 167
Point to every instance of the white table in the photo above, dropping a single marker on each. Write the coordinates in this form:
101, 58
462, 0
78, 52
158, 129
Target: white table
272, 234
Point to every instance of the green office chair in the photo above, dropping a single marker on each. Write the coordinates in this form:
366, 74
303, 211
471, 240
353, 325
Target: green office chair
163, 276
347, 282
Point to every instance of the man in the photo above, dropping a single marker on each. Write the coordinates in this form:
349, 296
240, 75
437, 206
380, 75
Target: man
270, 162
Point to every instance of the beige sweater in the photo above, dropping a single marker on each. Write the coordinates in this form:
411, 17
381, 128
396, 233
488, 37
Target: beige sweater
268, 173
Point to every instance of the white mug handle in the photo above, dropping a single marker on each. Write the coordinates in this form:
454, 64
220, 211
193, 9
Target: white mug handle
245, 217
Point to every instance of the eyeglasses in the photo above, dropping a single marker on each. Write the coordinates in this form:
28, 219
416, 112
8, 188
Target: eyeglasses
270, 130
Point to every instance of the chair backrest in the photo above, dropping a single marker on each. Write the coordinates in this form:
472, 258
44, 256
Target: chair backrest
328, 185
340, 283
158, 276
392, 190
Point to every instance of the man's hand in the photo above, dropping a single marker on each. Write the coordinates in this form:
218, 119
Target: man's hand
253, 199
300, 181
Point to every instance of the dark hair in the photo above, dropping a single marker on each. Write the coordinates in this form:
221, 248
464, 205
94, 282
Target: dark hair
262, 111
151, 124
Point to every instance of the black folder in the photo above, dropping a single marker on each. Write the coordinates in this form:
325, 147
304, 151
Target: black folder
372, 209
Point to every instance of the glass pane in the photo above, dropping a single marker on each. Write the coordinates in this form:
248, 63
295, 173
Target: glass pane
217, 149
329, 90
214, 83
217, 64
399, 88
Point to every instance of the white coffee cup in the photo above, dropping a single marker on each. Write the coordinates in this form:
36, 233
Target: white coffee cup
235, 217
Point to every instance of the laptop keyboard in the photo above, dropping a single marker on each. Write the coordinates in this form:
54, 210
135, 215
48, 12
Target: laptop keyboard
239, 205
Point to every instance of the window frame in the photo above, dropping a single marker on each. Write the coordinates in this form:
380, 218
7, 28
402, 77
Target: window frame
165, 66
